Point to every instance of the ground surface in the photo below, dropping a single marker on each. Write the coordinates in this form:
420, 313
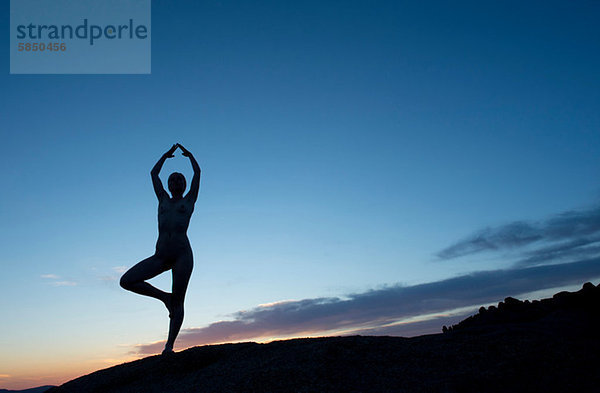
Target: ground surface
505, 349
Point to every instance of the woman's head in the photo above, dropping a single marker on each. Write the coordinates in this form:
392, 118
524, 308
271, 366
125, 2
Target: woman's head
176, 184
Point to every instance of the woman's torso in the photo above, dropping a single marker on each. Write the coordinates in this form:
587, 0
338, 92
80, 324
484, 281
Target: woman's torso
173, 221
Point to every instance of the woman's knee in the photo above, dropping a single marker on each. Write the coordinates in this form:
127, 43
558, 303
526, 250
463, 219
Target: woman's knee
126, 282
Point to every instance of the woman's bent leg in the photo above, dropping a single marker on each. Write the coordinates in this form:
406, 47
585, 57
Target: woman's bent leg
134, 279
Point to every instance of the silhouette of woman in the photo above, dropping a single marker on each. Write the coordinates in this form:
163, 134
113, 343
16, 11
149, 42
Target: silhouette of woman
173, 250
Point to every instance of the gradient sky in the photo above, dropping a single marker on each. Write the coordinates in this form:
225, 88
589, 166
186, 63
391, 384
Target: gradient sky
410, 159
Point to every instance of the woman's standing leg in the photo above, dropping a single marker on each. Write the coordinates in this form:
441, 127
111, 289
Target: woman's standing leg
182, 270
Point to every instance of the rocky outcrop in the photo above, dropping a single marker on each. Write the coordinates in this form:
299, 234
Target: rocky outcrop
582, 307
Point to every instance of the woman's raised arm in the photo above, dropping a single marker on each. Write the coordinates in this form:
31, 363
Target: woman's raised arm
159, 190
195, 186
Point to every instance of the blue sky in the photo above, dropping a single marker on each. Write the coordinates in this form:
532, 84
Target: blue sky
343, 146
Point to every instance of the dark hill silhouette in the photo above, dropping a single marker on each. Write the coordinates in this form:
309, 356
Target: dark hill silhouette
548, 346
39, 389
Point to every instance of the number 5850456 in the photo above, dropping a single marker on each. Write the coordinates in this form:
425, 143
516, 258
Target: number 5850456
41, 47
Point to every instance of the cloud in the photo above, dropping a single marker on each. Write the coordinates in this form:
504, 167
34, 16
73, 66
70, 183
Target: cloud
416, 328
572, 235
574, 249
57, 282
64, 283
112, 276
380, 310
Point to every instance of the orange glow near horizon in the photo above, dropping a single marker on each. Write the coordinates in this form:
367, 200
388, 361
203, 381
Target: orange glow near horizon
23, 376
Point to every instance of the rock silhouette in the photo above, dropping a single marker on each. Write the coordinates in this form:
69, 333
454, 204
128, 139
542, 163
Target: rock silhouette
580, 308
548, 346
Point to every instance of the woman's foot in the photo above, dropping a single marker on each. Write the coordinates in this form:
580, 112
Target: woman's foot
168, 350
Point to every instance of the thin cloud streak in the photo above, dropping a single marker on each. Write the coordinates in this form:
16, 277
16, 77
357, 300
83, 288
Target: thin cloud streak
375, 310
55, 280
575, 249
111, 277
572, 235
417, 328
64, 283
